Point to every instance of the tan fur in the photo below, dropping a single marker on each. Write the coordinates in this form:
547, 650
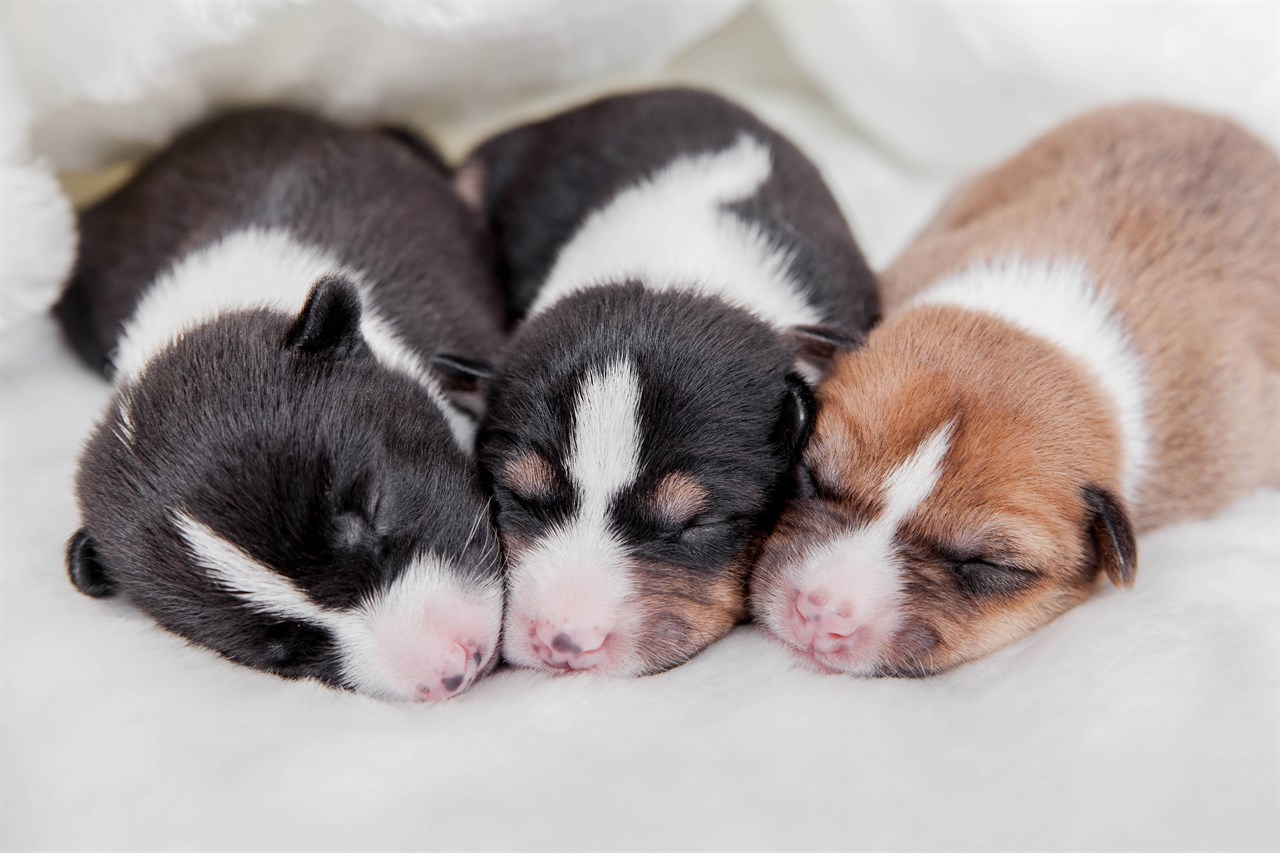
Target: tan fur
678, 497
1177, 216
469, 182
530, 476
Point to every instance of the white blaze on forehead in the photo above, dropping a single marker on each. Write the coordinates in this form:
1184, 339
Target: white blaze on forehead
605, 455
863, 567
259, 268
673, 231
391, 638
1060, 302
576, 575
912, 481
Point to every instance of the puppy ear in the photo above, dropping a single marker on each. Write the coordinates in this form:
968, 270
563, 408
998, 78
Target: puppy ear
85, 569
465, 380
329, 325
815, 348
1112, 532
799, 408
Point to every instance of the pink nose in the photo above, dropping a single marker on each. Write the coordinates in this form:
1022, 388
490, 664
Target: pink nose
567, 647
821, 624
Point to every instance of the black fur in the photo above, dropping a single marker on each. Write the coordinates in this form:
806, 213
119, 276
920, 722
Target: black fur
720, 398
543, 180
329, 326
1109, 527
281, 433
718, 401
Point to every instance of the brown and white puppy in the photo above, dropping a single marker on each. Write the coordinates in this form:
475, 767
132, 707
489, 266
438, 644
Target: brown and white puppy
1085, 344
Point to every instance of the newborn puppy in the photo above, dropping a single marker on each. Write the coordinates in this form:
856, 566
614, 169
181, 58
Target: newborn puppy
678, 265
295, 315
1083, 345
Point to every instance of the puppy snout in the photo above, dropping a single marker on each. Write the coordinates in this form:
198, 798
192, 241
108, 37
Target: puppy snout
823, 624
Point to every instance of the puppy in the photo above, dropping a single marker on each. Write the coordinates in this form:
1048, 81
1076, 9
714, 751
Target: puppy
1082, 346
679, 267
296, 316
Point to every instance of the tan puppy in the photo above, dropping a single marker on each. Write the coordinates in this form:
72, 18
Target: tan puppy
1084, 344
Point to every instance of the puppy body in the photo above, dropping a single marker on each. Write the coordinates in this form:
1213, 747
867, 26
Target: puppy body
291, 312
664, 249
1082, 345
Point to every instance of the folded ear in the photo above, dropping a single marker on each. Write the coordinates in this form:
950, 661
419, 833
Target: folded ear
815, 348
1112, 532
465, 380
796, 422
329, 325
85, 569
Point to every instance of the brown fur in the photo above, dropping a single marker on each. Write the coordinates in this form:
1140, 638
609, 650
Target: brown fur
530, 476
678, 497
1177, 216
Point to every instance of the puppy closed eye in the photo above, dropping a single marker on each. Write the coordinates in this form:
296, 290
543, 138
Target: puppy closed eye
984, 579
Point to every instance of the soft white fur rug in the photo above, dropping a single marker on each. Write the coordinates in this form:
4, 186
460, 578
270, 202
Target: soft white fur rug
1146, 719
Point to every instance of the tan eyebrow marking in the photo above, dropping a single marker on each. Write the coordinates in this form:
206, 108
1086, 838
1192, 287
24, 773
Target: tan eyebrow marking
678, 497
530, 475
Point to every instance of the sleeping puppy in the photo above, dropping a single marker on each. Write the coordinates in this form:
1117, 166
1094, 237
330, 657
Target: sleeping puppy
1083, 346
679, 268
295, 315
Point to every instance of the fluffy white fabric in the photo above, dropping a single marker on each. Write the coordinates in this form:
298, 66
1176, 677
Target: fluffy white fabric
1146, 719
1000, 73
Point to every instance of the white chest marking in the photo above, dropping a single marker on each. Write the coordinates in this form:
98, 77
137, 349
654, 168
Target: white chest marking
1060, 302
671, 231
259, 269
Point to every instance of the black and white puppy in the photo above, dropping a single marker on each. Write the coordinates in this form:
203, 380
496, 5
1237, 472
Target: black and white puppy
682, 271
296, 315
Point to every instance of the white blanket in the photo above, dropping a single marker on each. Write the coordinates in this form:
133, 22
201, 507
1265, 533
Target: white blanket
1145, 719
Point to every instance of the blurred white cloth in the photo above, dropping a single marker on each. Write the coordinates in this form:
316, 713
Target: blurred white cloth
89, 82
1145, 719
954, 85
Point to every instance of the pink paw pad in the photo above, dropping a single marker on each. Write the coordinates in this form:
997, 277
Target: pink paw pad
567, 647
460, 667
823, 624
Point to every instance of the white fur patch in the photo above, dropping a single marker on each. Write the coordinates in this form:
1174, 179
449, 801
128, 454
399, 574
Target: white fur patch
1060, 302
576, 574
671, 231
605, 455
391, 642
259, 587
251, 269
863, 568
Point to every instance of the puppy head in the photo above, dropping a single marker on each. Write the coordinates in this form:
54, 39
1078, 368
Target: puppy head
266, 488
958, 492
636, 444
